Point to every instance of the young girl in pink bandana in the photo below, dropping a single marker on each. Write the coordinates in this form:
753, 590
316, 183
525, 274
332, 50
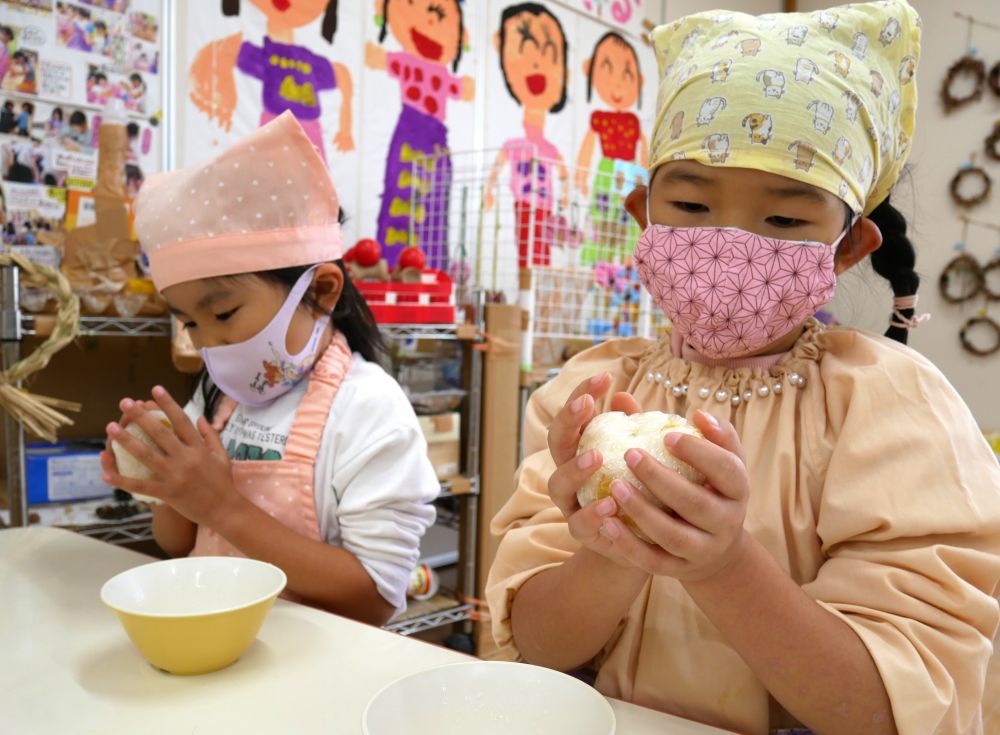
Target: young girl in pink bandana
298, 449
836, 571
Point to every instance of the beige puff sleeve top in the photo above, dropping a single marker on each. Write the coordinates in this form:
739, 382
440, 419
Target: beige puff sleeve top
871, 486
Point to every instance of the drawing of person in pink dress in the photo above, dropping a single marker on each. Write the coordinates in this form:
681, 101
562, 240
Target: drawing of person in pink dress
432, 35
533, 48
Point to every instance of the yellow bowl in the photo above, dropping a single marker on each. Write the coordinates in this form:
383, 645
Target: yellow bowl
197, 614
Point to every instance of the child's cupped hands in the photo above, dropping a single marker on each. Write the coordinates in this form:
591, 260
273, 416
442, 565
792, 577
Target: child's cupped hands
703, 532
192, 474
585, 523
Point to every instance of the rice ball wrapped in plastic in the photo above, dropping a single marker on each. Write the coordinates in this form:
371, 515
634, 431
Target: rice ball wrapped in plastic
613, 434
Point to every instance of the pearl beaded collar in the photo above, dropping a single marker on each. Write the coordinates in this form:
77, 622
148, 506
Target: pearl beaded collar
735, 398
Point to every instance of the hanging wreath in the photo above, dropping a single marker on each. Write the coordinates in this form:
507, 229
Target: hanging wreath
37, 413
992, 142
993, 265
966, 66
994, 80
978, 321
964, 272
956, 183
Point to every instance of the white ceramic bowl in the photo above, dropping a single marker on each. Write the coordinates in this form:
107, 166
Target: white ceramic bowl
197, 614
488, 698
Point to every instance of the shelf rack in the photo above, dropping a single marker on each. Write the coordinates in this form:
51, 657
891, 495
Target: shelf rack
15, 325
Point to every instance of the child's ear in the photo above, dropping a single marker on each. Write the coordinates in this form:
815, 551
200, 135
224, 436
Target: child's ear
586, 67
380, 9
635, 203
496, 40
863, 239
327, 285
465, 37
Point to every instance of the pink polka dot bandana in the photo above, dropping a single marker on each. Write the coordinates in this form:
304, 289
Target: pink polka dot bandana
731, 292
265, 203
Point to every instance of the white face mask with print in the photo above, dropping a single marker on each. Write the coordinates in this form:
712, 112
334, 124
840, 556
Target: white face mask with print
260, 370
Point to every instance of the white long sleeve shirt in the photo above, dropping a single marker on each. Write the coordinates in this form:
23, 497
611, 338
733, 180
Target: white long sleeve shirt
374, 483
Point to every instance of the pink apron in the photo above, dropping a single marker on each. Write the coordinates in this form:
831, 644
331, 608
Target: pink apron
284, 488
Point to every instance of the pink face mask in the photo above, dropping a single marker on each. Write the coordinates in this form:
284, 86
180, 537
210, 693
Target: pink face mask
730, 292
259, 370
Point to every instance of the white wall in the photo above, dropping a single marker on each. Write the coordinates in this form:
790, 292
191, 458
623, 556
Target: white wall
942, 144
677, 8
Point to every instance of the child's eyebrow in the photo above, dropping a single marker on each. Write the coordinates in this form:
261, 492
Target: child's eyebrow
212, 298
679, 175
793, 191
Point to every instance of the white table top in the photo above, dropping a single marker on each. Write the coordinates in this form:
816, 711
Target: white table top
67, 666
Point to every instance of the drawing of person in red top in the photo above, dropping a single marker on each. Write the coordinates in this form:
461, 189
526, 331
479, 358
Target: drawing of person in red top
613, 72
292, 76
418, 167
533, 50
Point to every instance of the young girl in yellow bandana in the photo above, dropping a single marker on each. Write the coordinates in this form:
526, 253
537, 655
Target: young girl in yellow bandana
837, 570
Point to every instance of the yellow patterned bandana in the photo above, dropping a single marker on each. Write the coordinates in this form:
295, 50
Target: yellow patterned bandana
827, 98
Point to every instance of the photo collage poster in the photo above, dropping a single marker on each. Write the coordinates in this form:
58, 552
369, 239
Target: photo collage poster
62, 63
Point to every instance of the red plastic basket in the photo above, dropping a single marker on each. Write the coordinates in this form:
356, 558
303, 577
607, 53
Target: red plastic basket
431, 302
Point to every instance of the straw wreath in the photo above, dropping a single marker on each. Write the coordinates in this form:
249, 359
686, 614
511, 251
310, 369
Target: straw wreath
36, 413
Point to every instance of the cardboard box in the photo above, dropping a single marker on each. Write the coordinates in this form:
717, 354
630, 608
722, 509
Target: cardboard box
57, 473
442, 432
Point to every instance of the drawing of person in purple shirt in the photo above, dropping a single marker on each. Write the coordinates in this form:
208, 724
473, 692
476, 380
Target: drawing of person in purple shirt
292, 77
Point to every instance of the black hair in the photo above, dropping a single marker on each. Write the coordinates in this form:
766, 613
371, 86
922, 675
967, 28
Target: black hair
136, 77
102, 25
895, 260
461, 26
132, 129
8, 105
328, 29
55, 111
538, 10
78, 118
351, 317
593, 62
8, 30
28, 107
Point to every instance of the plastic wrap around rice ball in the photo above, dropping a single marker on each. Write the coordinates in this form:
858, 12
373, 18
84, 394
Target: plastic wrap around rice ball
613, 434
128, 465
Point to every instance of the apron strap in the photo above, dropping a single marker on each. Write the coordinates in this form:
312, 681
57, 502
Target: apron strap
310, 420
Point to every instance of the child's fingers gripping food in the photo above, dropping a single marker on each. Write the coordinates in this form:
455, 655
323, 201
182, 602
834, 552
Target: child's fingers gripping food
128, 465
566, 427
613, 434
185, 430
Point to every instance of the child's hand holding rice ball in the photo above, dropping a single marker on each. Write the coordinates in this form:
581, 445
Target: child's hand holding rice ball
131, 467
649, 490
613, 434
159, 456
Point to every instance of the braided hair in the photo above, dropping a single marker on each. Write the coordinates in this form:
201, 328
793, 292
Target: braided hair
895, 261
